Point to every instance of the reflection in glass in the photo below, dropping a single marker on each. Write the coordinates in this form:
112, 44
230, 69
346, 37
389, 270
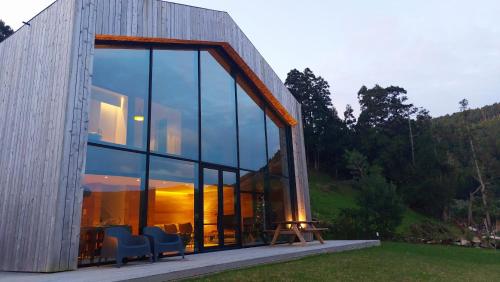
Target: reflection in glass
174, 113
251, 129
251, 181
218, 112
252, 207
276, 144
118, 103
229, 220
171, 197
112, 184
210, 207
279, 200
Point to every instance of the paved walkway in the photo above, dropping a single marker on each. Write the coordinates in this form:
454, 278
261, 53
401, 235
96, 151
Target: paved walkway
193, 265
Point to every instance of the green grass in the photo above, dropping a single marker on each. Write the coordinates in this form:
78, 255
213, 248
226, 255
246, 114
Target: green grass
328, 197
410, 217
391, 262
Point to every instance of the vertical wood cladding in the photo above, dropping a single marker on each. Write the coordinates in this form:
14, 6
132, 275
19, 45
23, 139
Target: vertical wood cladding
35, 77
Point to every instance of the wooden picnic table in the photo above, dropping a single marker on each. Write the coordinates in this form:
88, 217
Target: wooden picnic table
296, 228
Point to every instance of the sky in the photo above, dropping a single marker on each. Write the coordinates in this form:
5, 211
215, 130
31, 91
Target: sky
440, 51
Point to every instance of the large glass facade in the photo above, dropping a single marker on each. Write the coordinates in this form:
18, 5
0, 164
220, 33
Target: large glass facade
179, 140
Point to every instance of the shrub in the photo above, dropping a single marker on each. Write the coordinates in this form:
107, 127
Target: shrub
381, 210
431, 232
352, 224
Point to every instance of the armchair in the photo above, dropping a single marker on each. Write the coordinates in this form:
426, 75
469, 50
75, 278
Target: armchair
163, 242
120, 243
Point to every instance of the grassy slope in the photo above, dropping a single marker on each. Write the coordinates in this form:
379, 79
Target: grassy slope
391, 262
329, 196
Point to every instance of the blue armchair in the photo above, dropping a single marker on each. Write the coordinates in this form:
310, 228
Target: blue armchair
120, 243
163, 242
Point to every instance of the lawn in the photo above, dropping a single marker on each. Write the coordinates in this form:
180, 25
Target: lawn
390, 262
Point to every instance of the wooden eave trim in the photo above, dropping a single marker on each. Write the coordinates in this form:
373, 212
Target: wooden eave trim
268, 95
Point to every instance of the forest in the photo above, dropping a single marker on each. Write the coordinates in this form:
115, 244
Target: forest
397, 156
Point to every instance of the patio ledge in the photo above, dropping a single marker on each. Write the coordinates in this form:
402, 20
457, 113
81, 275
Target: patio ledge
174, 268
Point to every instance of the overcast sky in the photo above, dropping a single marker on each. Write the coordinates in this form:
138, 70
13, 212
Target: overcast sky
440, 51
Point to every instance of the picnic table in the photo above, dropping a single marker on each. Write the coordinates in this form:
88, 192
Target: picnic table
296, 228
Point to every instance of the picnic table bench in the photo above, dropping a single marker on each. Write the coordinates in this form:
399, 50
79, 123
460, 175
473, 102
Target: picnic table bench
296, 228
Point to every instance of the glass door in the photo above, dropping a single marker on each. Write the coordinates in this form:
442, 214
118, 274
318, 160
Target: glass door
220, 209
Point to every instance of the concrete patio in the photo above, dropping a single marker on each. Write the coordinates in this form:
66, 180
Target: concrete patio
194, 265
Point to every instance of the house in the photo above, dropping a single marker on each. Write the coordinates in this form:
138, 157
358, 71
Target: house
141, 113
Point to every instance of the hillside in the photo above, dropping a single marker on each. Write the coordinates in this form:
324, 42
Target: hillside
489, 112
328, 197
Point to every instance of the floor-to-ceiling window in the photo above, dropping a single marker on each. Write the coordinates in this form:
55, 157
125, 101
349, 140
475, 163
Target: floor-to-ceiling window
179, 140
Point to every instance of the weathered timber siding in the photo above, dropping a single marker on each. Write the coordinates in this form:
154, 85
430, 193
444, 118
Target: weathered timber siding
75, 144
37, 187
301, 177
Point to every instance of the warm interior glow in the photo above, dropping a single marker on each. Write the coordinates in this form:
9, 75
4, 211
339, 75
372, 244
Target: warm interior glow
229, 215
109, 115
171, 207
210, 213
246, 206
139, 118
111, 200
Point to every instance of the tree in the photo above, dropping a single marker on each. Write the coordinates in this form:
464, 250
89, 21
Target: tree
382, 130
464, 107
322, 126
5, 31
349, 119
356, 163
382, 106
